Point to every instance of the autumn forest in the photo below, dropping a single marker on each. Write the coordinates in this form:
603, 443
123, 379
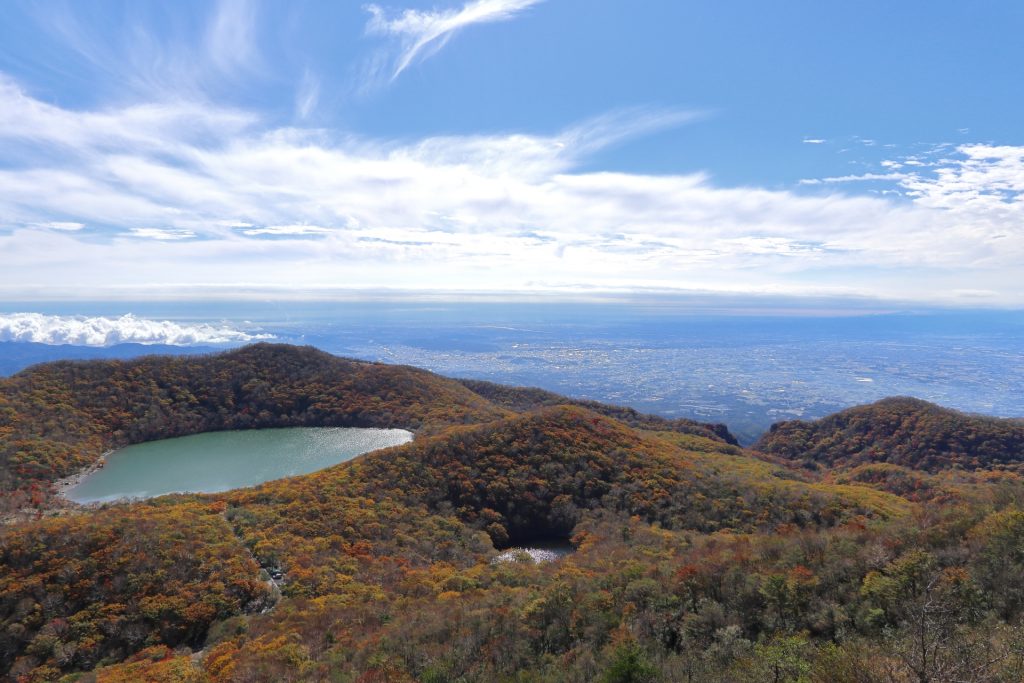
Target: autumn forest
883, 543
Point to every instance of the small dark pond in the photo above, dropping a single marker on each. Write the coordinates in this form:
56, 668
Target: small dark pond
538, 551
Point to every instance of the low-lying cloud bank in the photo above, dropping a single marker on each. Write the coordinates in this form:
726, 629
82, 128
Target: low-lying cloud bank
99, 331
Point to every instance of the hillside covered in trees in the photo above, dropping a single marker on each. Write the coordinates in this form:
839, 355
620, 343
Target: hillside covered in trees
695, 560
901, 431
59, 417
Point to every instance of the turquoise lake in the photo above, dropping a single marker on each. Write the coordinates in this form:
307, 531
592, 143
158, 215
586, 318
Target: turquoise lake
220, 461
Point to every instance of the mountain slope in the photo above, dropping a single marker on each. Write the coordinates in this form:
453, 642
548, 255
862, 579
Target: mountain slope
523, 399
372, 531
59, 417
78, 590
693, 559
901, 431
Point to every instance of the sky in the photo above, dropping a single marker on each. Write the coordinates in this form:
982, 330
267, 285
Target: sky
553, 148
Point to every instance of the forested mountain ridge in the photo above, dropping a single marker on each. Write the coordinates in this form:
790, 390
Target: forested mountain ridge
57, 418
522, 399
695, 560
96, 587
901, 431
536, 475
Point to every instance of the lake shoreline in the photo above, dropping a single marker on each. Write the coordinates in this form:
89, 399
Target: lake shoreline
218, 461
63, 487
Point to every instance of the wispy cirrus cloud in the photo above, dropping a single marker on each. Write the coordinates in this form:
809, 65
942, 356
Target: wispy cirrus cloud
287, 230
104, 331
852, 178
62, 225
308, 95
230, 39
165, 61
179, 194
421, 34
161, 234
33, 128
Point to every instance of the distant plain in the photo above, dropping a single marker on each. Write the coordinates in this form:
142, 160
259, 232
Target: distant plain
747, 371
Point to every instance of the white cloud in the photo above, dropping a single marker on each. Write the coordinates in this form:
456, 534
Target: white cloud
127, 55
234, 204
308, 95
168, 128
862, 177
978, 178
231, 36
100, 331
62, 225
986, 178
814, 141
287, 230
422, 34
161, 234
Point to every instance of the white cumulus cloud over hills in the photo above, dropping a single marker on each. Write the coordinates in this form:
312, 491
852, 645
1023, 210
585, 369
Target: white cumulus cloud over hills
101, 331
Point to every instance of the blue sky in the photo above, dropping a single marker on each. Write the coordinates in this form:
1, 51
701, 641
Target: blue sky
537, 147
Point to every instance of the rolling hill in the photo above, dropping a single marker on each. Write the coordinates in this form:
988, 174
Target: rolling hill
900, 431
693, 559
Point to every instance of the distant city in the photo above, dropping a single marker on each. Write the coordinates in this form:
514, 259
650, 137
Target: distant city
747, 372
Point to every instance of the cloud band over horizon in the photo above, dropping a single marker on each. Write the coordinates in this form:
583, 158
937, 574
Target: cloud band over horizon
106, 331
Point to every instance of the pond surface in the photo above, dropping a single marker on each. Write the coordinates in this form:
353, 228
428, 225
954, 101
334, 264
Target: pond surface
537, 551
220, 461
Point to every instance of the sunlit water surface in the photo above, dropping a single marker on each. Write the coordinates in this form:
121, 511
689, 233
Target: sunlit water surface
220, 461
